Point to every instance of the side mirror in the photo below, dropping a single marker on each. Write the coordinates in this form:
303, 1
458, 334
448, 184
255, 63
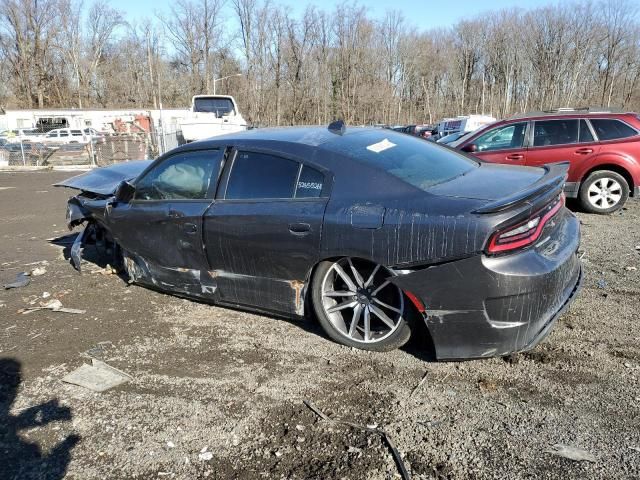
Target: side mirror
471, 148
124, 192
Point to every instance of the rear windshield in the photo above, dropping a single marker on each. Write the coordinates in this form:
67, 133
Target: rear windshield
414, 160
219, 106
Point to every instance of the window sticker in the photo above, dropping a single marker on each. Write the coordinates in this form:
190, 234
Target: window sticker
381, 146
310, 185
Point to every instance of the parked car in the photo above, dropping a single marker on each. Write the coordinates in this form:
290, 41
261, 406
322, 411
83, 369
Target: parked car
21, 135
601, 146
66, 135
371, 229
452, 137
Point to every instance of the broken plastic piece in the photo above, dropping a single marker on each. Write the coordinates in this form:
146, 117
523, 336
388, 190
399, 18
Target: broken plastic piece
76, 251
572, 453
22, 280
54, 305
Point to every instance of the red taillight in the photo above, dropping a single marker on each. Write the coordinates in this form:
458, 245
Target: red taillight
523, 234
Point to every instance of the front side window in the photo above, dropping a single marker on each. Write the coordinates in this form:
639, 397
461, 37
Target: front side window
76, 133
610, 129
64, 133
259, 175
184, 176
555, 132
502, 138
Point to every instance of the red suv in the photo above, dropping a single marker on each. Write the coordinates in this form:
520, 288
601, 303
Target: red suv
602, 147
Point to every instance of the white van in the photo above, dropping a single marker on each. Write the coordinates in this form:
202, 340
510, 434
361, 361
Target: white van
65, 135
462, 123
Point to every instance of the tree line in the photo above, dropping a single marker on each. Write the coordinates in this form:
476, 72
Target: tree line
321, 65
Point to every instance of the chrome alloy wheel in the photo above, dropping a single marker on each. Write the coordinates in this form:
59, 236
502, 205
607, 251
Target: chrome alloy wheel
604, 193
360, 301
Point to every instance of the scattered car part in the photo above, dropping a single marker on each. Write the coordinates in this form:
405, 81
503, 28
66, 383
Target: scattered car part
22, 280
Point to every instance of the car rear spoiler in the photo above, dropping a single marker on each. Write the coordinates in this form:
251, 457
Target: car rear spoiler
553, 179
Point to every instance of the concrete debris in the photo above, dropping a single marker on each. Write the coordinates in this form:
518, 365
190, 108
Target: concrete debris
54, 305
97, 377
22, 280
38, 271
205, 456
572, 453
170, 444
108, 270
631, 269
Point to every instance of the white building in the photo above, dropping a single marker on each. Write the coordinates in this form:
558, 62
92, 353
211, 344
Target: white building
101, 119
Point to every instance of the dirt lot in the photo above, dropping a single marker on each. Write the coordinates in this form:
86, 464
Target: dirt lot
234, 382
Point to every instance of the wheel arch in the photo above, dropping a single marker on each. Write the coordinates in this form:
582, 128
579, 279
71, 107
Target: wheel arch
306, 292
613, 167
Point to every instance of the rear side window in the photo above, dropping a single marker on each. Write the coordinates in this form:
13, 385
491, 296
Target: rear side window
64, 133
610, 129
502, 138
555, 132
310, 183
259, 175
76, 132
585, 132
184, 176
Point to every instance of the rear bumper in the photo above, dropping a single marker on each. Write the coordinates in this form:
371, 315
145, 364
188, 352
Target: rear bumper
493, 306
571, 189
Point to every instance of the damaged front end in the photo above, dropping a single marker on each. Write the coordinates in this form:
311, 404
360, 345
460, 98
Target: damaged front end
97, 189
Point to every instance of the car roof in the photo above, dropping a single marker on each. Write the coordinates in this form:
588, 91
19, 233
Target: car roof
571, 112
312, 136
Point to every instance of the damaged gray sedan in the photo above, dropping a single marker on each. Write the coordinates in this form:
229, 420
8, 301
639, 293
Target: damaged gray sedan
369, 229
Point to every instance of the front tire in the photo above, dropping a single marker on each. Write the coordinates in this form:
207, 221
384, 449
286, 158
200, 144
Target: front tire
603, 192
358, 306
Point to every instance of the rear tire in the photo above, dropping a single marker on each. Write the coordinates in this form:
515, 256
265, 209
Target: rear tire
603, 192
357, 307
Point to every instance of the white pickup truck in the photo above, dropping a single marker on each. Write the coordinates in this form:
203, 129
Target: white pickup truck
210, 116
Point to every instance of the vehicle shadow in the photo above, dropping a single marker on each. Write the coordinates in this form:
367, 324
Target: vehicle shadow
420, 344
22, 459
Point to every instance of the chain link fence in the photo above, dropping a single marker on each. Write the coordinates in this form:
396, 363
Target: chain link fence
97, 152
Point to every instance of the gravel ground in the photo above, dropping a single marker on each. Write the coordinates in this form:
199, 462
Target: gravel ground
218, 393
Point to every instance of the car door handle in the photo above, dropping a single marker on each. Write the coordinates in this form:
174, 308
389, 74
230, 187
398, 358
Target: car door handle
584, 151
515, 156
299, 228
190, 228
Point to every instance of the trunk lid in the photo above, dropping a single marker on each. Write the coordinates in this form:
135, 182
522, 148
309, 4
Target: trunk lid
504, 187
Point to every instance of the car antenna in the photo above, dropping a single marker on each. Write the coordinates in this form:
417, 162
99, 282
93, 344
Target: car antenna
338, 127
